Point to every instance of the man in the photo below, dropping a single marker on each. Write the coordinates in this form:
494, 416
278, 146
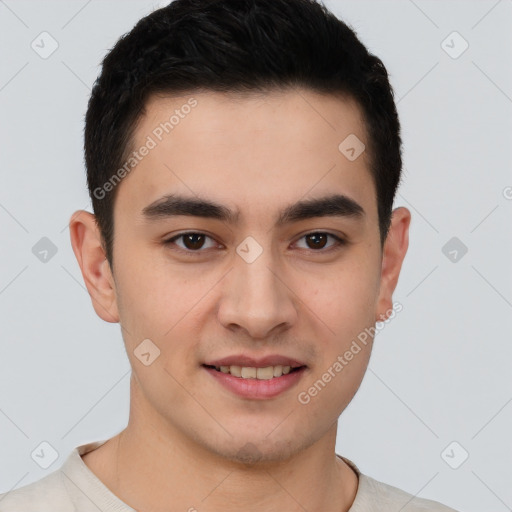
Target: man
242, 159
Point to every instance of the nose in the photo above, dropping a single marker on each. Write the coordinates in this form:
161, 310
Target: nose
257, 299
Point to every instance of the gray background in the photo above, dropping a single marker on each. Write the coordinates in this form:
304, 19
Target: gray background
440, 371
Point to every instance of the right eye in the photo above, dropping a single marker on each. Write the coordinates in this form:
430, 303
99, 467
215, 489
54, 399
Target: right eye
192, 241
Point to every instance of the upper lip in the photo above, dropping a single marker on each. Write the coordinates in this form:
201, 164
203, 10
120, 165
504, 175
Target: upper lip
256, 362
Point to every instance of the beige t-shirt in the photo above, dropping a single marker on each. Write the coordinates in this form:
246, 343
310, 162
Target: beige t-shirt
75, 488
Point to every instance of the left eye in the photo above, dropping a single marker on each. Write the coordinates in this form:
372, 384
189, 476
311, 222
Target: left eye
319, 240
193, 242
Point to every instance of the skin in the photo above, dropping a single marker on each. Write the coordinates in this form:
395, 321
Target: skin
186, 444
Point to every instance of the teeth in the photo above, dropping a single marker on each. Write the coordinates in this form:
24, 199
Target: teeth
249, 372
236, 371
265, 373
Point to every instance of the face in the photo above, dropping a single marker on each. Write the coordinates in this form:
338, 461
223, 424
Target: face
245, 232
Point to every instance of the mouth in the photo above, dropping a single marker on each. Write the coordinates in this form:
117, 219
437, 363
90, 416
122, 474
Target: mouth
259, 373
256, 382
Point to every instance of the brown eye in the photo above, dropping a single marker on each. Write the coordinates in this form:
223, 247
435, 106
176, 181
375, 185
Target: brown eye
318, 241
190, 242
193, 241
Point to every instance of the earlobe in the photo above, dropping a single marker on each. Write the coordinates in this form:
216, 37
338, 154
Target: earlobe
96, 272
394, 251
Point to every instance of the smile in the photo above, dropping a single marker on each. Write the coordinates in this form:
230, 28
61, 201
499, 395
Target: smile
251, 372
254, 383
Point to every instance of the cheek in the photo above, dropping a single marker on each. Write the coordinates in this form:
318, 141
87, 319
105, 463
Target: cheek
343, 335
164, 303
345, 299
330, 389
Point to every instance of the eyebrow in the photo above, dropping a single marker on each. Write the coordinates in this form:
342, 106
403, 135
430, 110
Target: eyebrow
336, 205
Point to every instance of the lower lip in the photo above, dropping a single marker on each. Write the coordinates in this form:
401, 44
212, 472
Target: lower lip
254, 388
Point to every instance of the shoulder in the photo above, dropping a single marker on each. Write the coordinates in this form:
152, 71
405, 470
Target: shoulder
375, 496
379, 496
71, 487
49, 494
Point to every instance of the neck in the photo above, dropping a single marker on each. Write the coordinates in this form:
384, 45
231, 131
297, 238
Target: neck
152, 466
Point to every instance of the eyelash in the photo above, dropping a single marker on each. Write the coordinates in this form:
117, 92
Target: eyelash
340, 242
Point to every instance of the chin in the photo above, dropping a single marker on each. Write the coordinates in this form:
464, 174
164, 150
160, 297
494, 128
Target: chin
250, 452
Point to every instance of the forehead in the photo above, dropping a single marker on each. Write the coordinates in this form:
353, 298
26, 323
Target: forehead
249, 151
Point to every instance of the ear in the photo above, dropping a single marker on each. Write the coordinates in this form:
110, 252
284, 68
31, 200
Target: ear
89, 252
394, 250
